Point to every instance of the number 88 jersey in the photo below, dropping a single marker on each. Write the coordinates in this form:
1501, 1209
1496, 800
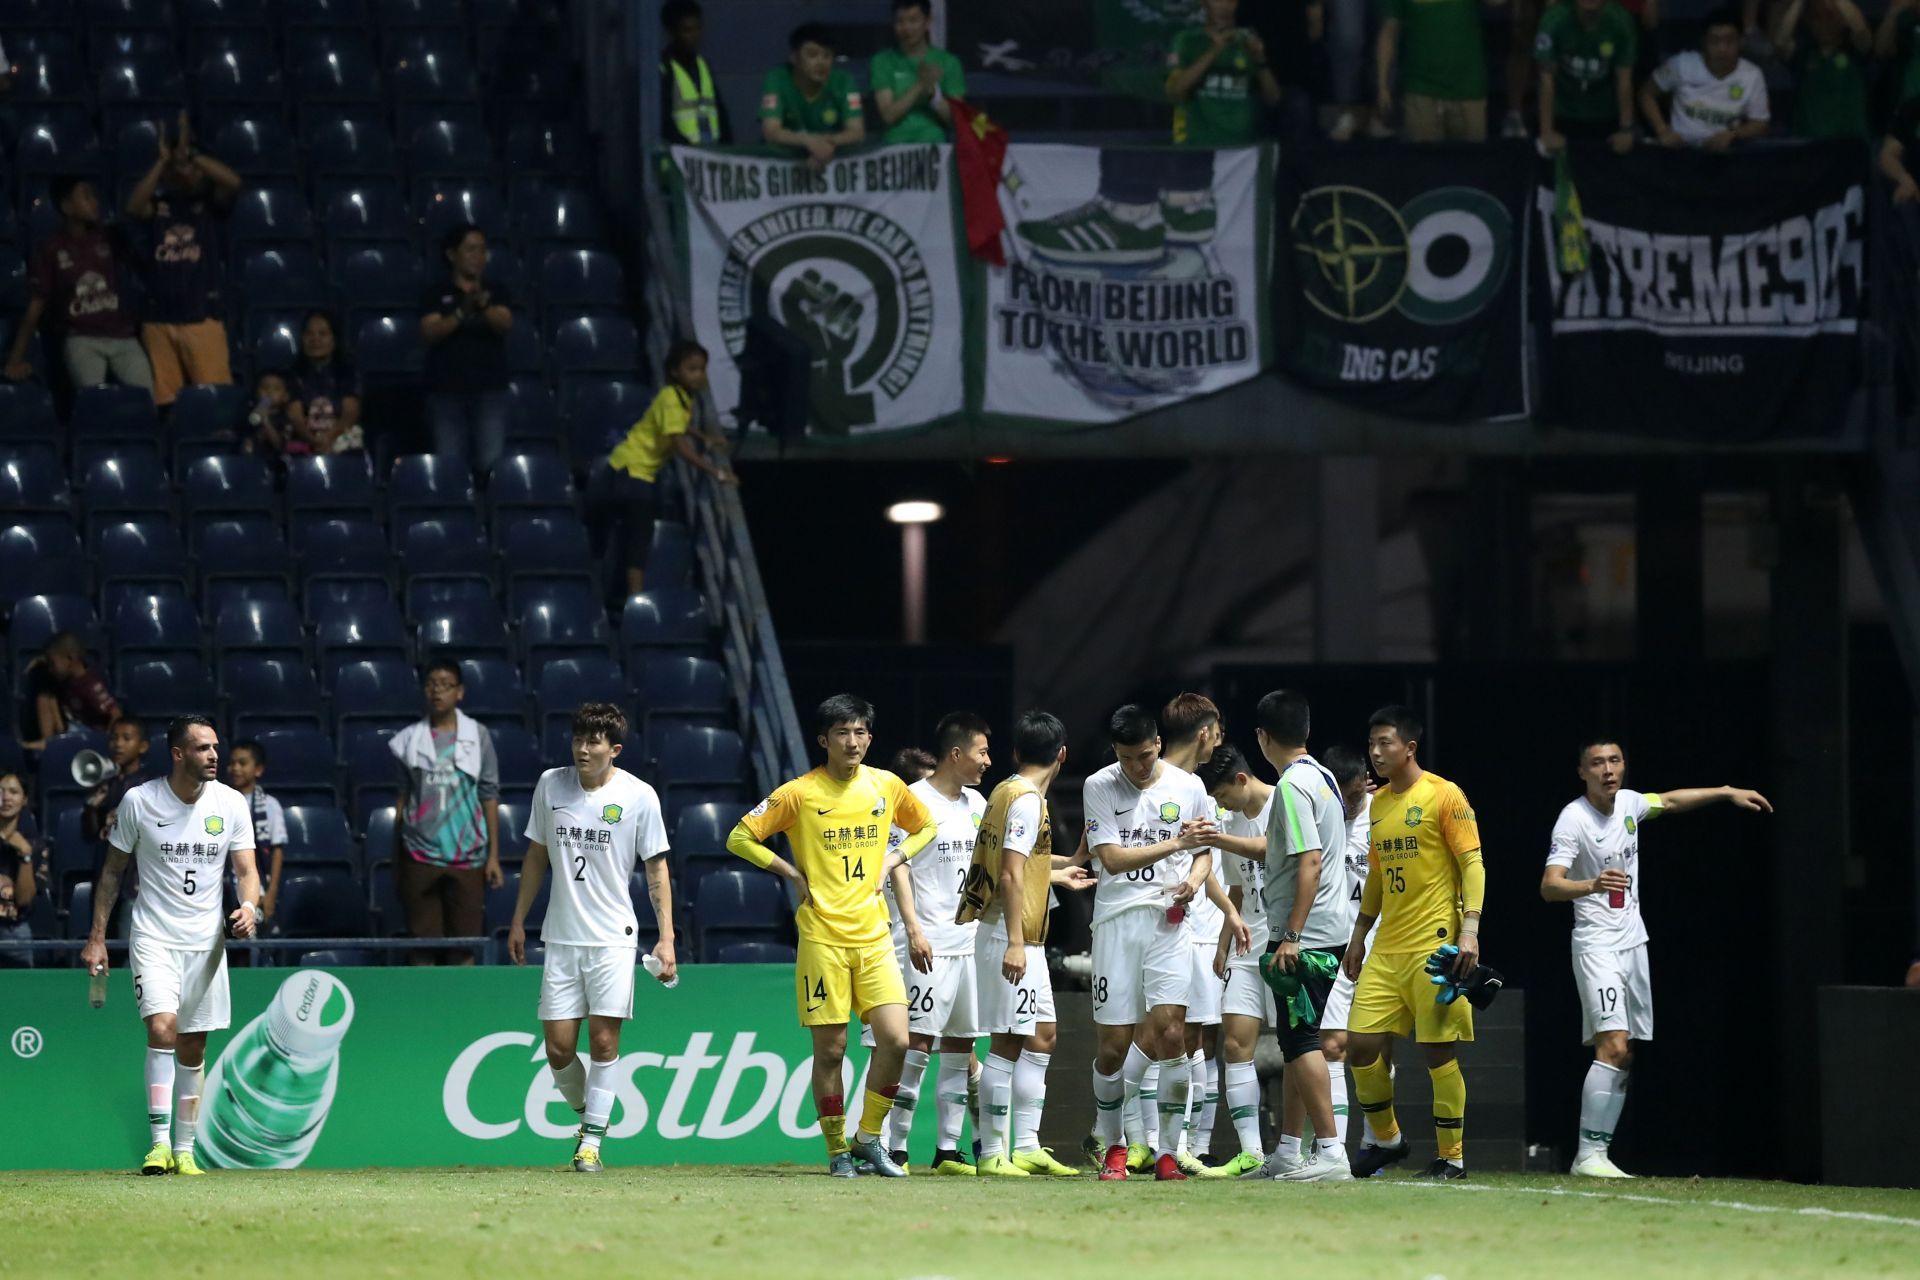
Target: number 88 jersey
180, 851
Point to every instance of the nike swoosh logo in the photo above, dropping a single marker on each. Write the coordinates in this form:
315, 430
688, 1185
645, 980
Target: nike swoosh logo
163, 824
823, 812
814, 1008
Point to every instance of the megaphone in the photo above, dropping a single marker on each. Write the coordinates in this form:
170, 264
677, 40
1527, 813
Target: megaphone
90, 769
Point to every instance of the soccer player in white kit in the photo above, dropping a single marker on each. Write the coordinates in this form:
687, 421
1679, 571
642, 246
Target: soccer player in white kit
1595, 864
592, 821
936, 954
181, 831
1246, 1003
1349, 770
1150, 826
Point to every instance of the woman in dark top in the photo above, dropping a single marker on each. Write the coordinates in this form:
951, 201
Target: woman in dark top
464, 322
325, 390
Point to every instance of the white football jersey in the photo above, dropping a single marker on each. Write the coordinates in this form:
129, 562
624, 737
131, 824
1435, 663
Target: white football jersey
182, 851
1704, 104
594, 839
1353, 865
939, 870
1202, 916
1249, 873
1586, 842
1119, 813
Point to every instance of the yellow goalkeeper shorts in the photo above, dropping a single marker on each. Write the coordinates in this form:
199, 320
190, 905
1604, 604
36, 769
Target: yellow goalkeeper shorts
834, 983
1394, 996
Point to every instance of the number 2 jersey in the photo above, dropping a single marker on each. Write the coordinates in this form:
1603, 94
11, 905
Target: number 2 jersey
593, 840
838, 832
1587, 842
1419, 837
1119, 813
182, 851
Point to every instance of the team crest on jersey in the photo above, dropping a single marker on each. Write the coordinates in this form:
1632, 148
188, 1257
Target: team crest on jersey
1169, 812
216, 825
881, 807
1736, 92
1414, 814
976, 821
610, 814
1630, 826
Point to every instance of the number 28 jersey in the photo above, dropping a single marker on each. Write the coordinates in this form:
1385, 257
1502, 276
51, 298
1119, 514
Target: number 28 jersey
1119, 813
838, 832
593, 841
181, 850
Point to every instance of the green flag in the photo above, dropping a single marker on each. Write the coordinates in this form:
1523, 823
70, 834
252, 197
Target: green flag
1569, 224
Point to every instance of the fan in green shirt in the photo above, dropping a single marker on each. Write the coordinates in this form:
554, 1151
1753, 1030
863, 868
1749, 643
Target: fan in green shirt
1898, 42
911, 83
1585, 52
1826, 42
810, 103
1213, 71
1439, 46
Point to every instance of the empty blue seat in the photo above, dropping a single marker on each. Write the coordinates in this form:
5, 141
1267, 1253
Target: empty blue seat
582, 278
561, 214
683, 686
56, 142
380, 275
738, 906
378, 691
274, 340
144, 79
160, 688
389, 916
41, 557
545, 551
493, 690
518, 753
219, 594
119, 484
274, 213
467, 629
224, 485
366, 210
47, 76
451, 203
442, 147
350, 146
326, 13
337, 72
703, 828
444, 75
161, 620
30, 481
134, 147
421, 13
513, 833
546, 149
562, 620
267, 626
350, 548
223, 13
536, 414
283, 277
447, 545
271, 694
565, 683
324, 902
123, 15
697, 754
360, 636
534, 75
670, 555
427, 594
663, 619
338, 958
317, 834
425, 483
389, 344
234, 75
80, 912
595, 344
115, 412
329, 486
501, 903
754, 953
505, 270
141, 551
644, 915
206, 420
26, 411
296, 758
373, 778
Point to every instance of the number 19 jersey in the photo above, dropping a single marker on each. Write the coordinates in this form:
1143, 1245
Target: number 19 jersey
593, 840
181, 850
1131, 817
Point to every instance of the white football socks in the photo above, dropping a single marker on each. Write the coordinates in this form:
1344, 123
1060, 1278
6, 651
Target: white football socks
1109, 1102
599, 1105
950, 1098
571, 1081
900, 1120
1243, 1105
1133, 1075
1172, 1105
159, 1078
1602, 1096
186, 1105
1029, 1098
996, 1101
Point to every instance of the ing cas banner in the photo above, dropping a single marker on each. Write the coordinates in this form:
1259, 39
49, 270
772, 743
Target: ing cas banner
1723, 292
1398, 277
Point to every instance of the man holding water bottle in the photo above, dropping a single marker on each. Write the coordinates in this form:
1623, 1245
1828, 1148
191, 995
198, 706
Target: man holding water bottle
592, 821
180, 831
1594, 864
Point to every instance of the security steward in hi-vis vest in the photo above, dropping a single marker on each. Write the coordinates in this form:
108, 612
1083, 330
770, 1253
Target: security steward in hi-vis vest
691, 112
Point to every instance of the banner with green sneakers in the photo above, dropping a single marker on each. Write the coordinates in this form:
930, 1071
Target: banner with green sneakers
1134, 280
859, 260
354, 1068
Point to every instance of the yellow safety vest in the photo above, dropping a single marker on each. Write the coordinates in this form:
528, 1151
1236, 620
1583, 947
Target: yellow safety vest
696, 111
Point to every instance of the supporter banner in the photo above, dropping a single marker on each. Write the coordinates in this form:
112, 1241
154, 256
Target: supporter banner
408, 1067
1722, 296
1118, 44
1398, 279
859, 260
1133, 280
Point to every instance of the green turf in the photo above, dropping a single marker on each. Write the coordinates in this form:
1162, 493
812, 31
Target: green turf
759, 1224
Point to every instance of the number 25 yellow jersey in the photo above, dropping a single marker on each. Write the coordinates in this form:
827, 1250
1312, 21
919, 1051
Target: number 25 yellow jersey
1413, 876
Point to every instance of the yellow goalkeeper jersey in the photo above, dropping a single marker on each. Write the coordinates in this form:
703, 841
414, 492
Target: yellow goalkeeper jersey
1413, 876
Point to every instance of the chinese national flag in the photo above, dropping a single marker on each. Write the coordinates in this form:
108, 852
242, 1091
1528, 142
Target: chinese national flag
980, 147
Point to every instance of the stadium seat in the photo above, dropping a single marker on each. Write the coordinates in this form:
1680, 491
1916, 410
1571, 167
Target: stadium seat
565, 683
80, 912
389, 344
558, 216
218, 487
197, 14
37, 619
546, 149
220, 590
536, 414
283, 278
26, 411
159, 620
670, 555
32, 482
518, 752
134, 147
324, 902
702, 755
754, 953
445, 203
296, 758
562, 620
47, 76
683, 687
235, 75
389, 916
341, 549
42, 557
270, 695
501, 901
513, 834
444, 548
373, 775
525, 353
277, 214
366, 209
263, 626
444, 75
273, 337
467, 629
329, 487
341, 14
535, 75
541, 552
373, 693
354, 637
160, 688
139, 552
113, 412
320, 834
648, 933
206, 420
333, 72
429, 594
734, 906
594, 344
57, 141
493, 692
427, 484
126, 15
582, 279
673, 620
703, 828
147, 79
381, 275
443, 148
338, 958
421, 13
347, 145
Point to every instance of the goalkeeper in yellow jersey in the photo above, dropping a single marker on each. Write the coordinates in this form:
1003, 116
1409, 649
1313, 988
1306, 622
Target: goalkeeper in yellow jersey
1425, 883
837, 819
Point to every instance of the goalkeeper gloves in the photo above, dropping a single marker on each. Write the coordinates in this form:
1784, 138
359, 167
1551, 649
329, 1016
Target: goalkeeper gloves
1479, 985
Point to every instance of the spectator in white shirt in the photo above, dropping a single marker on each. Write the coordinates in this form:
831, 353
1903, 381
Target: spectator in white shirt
1718, 98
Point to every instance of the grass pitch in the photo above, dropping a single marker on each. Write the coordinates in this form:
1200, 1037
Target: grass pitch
771, 1224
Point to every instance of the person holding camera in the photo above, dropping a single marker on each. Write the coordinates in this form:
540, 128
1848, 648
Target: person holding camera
464, 321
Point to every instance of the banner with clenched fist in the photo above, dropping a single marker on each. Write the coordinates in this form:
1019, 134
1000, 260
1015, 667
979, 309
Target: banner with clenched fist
858, 259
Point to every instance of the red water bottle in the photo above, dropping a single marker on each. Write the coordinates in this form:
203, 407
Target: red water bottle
1617, 898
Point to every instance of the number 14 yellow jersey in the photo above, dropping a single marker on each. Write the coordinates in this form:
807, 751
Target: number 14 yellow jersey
1413, 875
838, 831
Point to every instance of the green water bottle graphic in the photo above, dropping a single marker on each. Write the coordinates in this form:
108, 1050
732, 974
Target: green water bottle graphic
268, 1094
